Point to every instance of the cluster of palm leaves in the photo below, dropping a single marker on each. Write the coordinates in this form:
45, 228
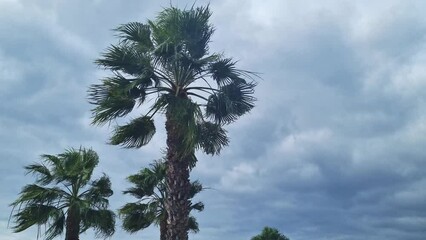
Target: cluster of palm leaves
165, 66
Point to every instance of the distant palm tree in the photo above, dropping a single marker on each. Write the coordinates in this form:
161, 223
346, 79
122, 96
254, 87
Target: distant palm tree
270, 234
167, 60
150, 189
63, 197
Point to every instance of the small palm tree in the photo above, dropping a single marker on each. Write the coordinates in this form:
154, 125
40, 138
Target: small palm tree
64, 197
168, 61
150, 189
270, 234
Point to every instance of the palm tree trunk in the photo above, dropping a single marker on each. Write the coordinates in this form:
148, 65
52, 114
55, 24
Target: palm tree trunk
73, 224
163, 229
178, 185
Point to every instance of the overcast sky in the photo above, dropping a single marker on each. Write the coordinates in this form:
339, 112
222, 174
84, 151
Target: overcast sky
335, 148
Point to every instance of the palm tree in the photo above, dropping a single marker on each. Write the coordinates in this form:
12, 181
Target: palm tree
63, 195
270, 234
168, 61
150, 189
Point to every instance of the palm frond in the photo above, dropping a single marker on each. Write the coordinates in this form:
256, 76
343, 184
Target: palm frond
125, 58
223, 71
89, 160
211, 137
33, 214
56, 226
196, 187
199, 206
98, 192
136, 33
55, 164
135, 134
44, 176
115, 97
102, 221
34, 194
136, 216
193, 224
233, 101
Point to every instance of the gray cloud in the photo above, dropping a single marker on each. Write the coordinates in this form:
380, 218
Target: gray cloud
333, 150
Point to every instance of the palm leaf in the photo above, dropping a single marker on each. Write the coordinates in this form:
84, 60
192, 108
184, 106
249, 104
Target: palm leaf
57, 225
233, 101
136, 216
136, 33
135, 134
193, 224
115, 97
44, 176
34, 194
125, 58
102, 221
33, 214
98, 192
211, 137
196, 187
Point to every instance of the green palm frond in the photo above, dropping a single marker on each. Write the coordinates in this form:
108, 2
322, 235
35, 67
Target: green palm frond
102, 186
97, 194
224, 72
56, 167
77, 165
196, 187
233, 101
44, 176
34, 214
125, 58
34, 194
57, 225
135, 134
102, 221
89, 160
193, 224
136, 216
115, 97
211, 138
135, 32
199, 206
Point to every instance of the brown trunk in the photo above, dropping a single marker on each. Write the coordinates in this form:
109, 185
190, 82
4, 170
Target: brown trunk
163, 229
72, 224
178, 185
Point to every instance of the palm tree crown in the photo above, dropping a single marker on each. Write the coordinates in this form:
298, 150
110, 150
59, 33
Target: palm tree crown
150, 190
63, 196
168, 61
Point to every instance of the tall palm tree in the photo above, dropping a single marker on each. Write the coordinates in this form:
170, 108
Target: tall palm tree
63, 196
167, 60
150, 190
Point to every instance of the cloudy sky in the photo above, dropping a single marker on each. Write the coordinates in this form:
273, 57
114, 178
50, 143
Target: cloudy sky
335, 148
